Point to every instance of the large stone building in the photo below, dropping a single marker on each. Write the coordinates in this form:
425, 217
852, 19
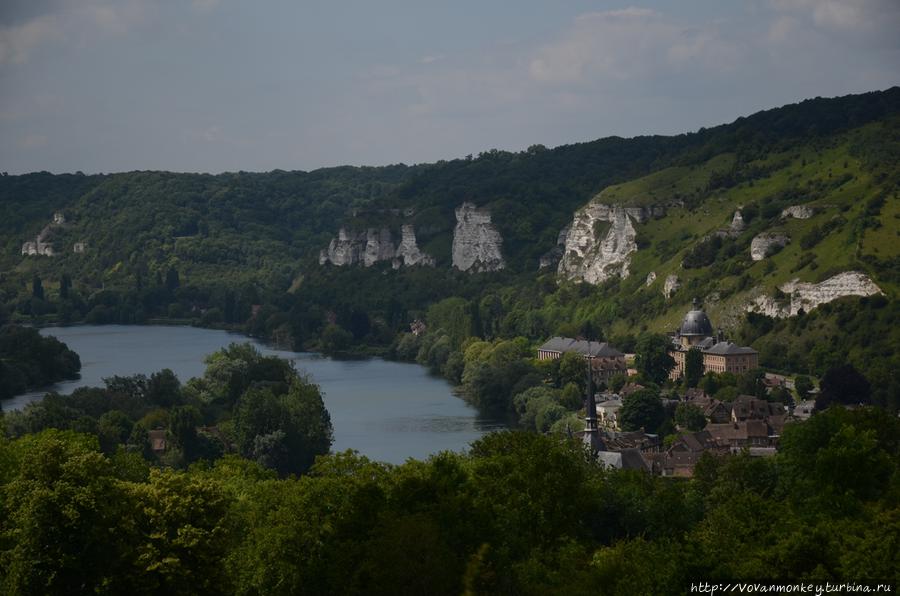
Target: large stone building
719, 355
605, 360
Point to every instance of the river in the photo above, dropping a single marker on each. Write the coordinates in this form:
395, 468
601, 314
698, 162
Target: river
388, 411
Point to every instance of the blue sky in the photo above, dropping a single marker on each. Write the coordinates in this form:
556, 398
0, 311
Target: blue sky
224, 85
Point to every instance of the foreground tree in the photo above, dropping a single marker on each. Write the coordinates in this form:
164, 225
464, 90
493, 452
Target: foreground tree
652, 357
283, 431
693, 367
642, 409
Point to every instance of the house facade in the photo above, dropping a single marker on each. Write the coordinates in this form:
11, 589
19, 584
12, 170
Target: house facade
719, 355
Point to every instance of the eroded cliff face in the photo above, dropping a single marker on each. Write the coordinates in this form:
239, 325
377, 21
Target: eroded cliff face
373, 246
476, 242
379, 246
807, 296
672, 285
798, 212
594, 253
408, 253
550, 259
762, 244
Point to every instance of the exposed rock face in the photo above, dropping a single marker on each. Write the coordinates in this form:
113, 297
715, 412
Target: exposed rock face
408, 253
40, 245
476, 242
343, 250
374, 246
798, 212
379, 246
644, 214
761, 244
651, 277
671, 286
592, 259
737, 223
807, 296
551, 257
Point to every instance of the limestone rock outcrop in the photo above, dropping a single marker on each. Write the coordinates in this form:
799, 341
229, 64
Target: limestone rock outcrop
551, 258
593, 259
343, 250
798, 212
42, 245
476, 242
737, 223
807, 296
375, 245
765, 242
379, 246
671, 286
409, 253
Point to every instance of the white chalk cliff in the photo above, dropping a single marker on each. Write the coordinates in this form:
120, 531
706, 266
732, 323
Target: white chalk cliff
762, 244
408, 253
807, 296
593, 259
373, 246
476, 242
672, 285
798, 212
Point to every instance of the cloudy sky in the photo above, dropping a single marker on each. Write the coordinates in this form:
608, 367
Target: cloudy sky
223, 85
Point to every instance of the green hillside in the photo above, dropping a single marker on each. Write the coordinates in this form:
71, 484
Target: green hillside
241, 249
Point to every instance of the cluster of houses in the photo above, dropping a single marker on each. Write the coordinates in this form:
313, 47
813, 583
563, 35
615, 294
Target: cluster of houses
748, 423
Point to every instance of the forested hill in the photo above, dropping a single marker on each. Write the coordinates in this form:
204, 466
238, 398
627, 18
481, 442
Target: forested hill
242, 249
257, 221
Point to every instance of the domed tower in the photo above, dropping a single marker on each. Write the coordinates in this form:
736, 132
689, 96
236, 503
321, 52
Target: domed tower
695, 327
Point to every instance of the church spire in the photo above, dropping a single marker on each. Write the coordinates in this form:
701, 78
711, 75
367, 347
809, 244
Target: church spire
591, 436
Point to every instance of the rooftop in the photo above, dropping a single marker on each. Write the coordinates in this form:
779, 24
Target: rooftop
588, 348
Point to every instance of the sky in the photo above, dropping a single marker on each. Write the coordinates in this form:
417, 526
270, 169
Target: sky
227, 85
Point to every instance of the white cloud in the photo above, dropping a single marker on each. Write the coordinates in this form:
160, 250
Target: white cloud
628, 44
64, 22
18, 41
869, 22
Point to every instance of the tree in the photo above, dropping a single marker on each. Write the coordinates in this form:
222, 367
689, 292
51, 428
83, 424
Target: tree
751, 383
183, 423
164, 389
617, 381
643, 409
572, 369
61, 510
843, 385
172, 279
690, 417
652, 357
693, 367
335, 338
65, 284
113, 429
803, 384
37, 288
284, 431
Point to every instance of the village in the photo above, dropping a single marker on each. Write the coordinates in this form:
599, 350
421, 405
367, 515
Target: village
748, 423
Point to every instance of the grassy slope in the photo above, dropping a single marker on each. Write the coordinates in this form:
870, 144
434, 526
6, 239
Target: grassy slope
839, 185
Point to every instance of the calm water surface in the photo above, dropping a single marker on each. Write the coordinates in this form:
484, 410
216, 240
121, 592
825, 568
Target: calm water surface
388, 411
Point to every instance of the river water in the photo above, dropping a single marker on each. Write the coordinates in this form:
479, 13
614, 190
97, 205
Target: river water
388, 411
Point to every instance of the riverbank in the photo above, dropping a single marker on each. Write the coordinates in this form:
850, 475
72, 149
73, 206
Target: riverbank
387, 410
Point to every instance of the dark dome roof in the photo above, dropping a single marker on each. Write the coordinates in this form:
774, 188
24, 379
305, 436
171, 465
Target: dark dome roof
696, 323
